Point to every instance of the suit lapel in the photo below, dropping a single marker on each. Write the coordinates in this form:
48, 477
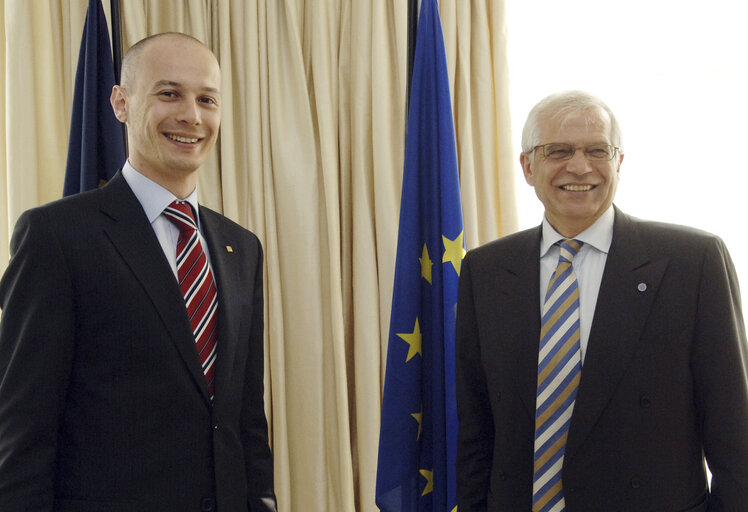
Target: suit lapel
134, 239
521, 339
225, 261
627, 291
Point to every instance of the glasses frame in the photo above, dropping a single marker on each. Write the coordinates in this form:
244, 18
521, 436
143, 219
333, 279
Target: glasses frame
616, 149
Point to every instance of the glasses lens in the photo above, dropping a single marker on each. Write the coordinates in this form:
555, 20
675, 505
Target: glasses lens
599, 152
558, 151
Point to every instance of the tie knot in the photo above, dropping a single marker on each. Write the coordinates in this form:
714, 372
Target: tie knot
569, 248
181, 214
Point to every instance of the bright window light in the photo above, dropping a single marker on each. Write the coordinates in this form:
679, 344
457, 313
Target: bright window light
676, 75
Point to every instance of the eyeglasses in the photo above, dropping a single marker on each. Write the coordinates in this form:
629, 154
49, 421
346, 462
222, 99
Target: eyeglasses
561, 151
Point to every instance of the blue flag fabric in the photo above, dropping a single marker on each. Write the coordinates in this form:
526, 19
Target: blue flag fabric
418, 437
96, 149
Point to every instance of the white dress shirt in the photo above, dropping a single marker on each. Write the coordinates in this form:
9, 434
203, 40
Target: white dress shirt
154, 198
588, 264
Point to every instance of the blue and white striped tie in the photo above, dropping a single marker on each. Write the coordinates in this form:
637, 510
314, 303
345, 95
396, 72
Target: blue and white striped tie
559, 370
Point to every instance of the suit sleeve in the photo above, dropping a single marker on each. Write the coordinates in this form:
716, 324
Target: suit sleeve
259, 459
476, 432
36, 350
720, 362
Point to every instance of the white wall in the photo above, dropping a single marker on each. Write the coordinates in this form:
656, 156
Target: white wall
675, 74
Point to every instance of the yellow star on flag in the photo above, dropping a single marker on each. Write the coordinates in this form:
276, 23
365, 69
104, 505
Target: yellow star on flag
426, 264
414, 340
419, 418
454, 251
429, 476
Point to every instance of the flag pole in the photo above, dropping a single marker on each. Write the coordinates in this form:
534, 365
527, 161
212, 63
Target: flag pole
117, 51
116, 38
412, 32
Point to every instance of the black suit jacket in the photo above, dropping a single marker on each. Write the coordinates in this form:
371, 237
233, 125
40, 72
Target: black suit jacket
664, 378
103, 404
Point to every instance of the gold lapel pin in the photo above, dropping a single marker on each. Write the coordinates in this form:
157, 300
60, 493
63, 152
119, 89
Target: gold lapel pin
229, 249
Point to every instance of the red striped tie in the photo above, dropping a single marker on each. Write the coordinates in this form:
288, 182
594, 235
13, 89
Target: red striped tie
198, 287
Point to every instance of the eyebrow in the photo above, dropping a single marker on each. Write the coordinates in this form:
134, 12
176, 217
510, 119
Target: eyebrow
171, 83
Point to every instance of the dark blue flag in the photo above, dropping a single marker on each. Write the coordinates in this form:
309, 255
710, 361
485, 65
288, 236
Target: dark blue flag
96, 149
418, 437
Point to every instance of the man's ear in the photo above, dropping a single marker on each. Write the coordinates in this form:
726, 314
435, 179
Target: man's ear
118, 99
525, 159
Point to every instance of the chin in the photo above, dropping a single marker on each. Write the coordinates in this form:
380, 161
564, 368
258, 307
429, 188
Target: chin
186, 166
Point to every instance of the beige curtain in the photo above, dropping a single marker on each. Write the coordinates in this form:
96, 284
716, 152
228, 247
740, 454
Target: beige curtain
310, 158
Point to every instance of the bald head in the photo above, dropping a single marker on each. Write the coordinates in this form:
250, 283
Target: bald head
130, 61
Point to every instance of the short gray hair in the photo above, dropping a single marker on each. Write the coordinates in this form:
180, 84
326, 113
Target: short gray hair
561, 105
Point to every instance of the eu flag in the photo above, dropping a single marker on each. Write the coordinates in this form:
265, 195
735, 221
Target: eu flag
418, 437
96, 149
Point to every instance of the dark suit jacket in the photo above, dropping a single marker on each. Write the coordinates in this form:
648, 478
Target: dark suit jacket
663, 382
103, 404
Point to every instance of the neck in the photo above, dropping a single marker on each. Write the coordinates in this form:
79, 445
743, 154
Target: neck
178, 182
569, 229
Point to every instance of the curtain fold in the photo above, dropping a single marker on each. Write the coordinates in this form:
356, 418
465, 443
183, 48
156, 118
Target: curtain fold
310, 158
475, 36
39, 54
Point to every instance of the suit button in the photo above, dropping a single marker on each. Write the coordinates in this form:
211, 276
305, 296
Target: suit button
644, 401
635, 483
207, 505
501, 476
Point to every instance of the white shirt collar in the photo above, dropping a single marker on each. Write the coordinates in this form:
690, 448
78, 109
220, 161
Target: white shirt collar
599, 235
152, 196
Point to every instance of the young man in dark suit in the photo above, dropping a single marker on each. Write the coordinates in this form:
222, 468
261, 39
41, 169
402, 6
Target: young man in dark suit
600, 359
131, 340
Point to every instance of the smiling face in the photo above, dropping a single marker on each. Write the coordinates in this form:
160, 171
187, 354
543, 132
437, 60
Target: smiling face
575, 192
171, 105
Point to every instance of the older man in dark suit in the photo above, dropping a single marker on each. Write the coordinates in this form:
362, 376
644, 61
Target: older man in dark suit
131, 340
600, 359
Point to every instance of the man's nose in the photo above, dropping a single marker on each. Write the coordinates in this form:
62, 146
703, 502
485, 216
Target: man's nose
579, 163
189, 112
